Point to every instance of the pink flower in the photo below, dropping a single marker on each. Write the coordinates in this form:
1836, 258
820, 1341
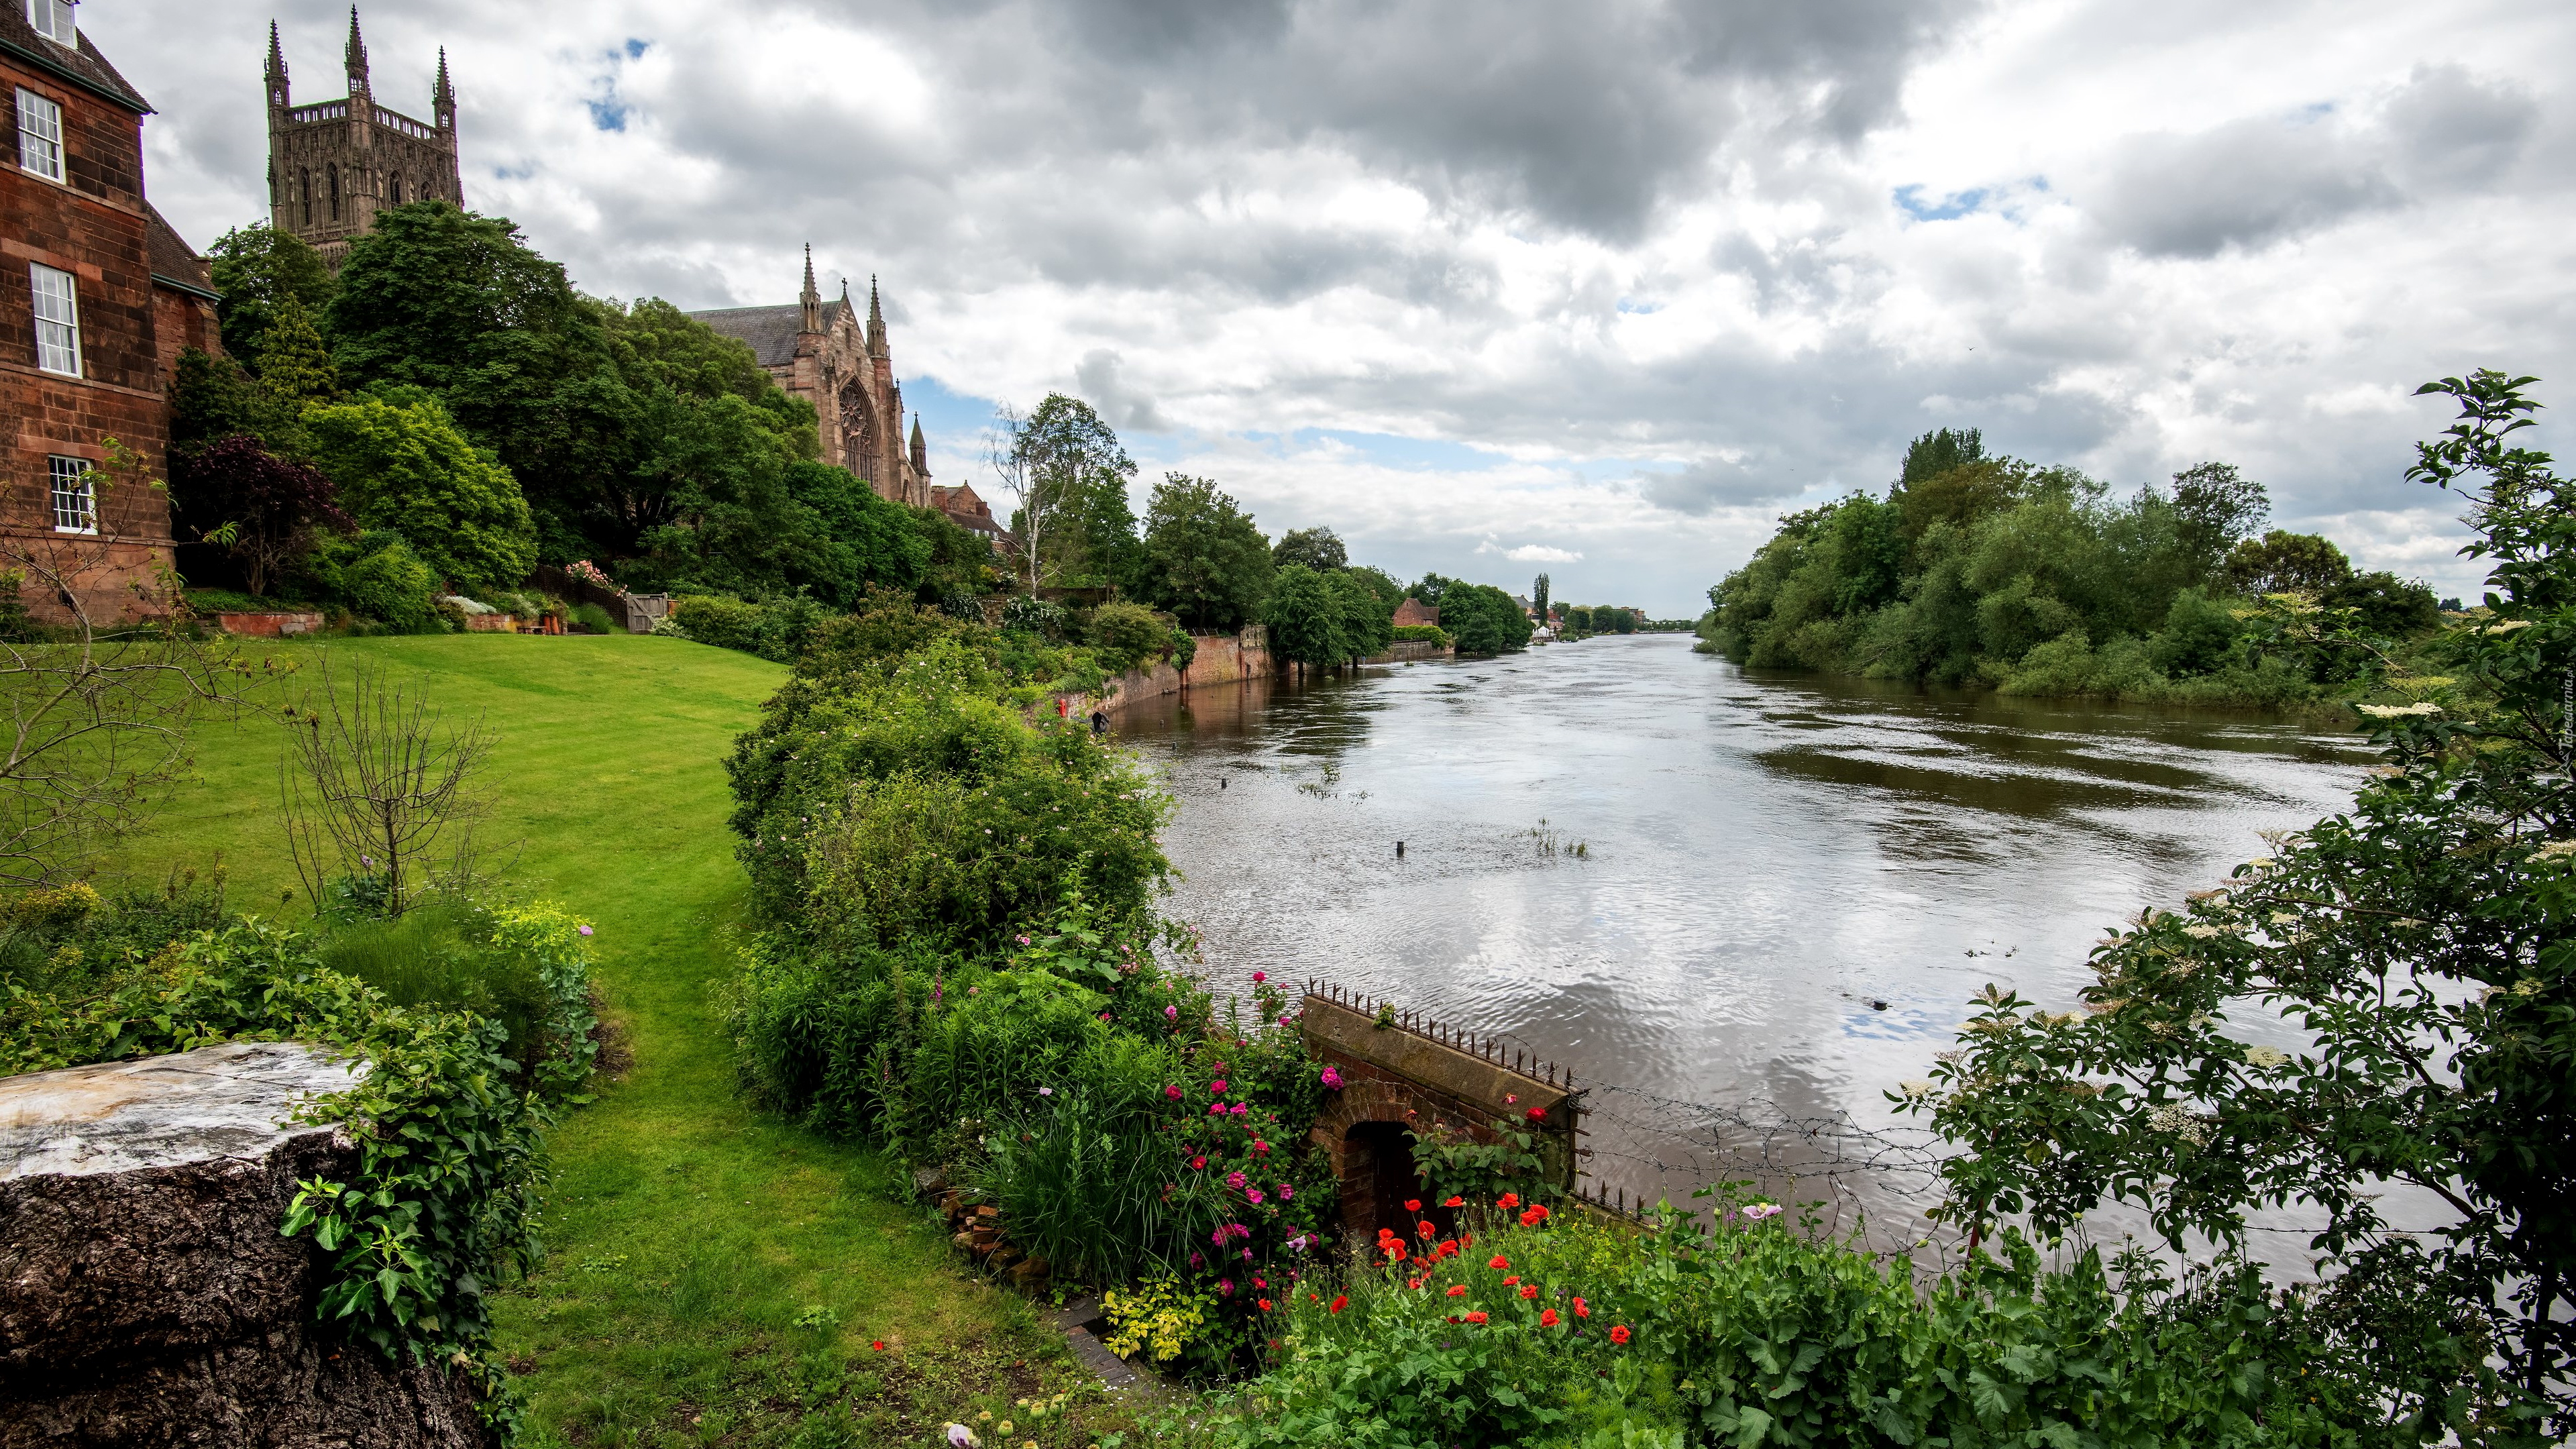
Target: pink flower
1171, 1013
1252, 1195
1241, 1110
1260, 976
1217, 1086
1287, 1193
1332, 1079
1234, 1180
1173, 1093
1216, 1109
585, 930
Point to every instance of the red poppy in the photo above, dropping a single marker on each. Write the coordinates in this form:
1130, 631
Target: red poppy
1529, 1290
1533, 1217
1424, 1229
1265, 1305
1508, 1282
1413, 1283
1448, 1248
1547, 1318
877, 1343
1582, 1309
1455, 1202
1339, 1299
1508, 1200
1498, 1262
1457, 1290
1619, 1334
1395, 1250
1476, 1317
1413, 1204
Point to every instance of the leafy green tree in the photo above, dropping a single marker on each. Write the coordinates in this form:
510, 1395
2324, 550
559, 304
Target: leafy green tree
257, 269
1319, 549
406, 467
1081, 471
2198, 633
1366, 616
1126, 636
1483, 619
2284, 562
1430, 589
295, 366
1306, 615
1940, 451
1538, 596
2215, 508
1204, 558
456, 303
2389, 996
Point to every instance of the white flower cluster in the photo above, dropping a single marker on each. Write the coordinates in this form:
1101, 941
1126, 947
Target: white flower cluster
2556, 850
2266, 1057
2177, 1120
2399, 711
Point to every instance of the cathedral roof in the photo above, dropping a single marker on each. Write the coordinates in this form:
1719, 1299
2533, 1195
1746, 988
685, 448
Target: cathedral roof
771, 331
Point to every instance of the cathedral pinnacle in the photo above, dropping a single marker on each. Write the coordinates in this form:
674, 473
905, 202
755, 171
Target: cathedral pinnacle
276, 68
442, 96
356, 55
876, 321
810, 301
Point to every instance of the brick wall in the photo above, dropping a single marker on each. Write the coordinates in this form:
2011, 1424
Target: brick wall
92, 226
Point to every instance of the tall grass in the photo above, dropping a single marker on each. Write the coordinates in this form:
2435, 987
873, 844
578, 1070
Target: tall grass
441, 955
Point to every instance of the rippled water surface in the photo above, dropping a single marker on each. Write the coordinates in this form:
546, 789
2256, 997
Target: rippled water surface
1788, 886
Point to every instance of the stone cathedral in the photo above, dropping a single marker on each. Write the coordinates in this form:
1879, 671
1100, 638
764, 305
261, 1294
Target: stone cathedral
821, 352
331, 164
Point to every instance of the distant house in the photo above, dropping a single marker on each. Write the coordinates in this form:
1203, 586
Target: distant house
1528, 609
968, 511
1414, 611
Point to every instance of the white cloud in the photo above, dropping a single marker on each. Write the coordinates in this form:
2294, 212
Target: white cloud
1731, 253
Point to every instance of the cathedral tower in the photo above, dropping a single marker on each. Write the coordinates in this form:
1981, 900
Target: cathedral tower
333, 164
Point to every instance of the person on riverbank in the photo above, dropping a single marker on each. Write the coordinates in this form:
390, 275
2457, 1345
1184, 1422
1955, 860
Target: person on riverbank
1099, 723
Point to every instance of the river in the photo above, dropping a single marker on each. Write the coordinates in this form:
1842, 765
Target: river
1752, 902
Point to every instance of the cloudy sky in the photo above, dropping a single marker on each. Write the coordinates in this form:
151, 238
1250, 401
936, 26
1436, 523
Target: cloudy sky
1496, 286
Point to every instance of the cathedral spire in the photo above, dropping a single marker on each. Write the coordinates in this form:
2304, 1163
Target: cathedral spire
876, 321
442, 96
920, 450
810, 300
276, 68
356, 56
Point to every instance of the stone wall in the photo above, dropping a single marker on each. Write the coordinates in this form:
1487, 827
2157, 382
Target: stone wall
1221, 659
146, 1295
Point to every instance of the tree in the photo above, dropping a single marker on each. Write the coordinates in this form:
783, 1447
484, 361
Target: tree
1076, 465
1538, 596
256, 270
372, 784
1205, 560
1364, 616
295, 366
1319, 549
2285, 562
406, 467
2416, 949
458, 304
268, 507
1430, 589
1939, 452
1483, 619
2215, 508
1306, 617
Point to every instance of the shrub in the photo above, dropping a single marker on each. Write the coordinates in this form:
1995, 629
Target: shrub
377, 576
1126, 636
523, 967
443, 1196
406, 467
1483, 619
778, 629
1422, 634
1756, 1334
592, 619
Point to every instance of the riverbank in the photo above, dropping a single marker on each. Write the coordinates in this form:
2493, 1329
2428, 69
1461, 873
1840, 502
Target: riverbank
713, 1275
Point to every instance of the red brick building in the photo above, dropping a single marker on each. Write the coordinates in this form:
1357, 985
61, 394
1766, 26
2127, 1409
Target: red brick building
1414, 611
97, 297
966, 508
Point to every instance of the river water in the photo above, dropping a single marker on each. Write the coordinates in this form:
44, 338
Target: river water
1747, 903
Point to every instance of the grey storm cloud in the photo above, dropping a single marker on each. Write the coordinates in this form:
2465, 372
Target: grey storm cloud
2247, 183
1705, 487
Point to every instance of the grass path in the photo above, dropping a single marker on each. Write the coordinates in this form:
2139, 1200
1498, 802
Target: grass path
688, 1235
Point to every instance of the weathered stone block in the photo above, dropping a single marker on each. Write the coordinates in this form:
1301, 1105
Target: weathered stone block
146, 1294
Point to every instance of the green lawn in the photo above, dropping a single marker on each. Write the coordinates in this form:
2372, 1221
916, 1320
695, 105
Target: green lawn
687, 1234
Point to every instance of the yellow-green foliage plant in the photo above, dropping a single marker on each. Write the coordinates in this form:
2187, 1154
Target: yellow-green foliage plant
1159, 1319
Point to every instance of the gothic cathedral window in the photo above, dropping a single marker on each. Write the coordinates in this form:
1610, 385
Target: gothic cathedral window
393, 190
304, 180
335, 191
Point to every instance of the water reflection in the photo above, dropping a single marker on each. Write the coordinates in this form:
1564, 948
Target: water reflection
1786, 889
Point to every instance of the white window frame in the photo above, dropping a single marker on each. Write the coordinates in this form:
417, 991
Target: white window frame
55, 20
40, 135
72, 490
57, 309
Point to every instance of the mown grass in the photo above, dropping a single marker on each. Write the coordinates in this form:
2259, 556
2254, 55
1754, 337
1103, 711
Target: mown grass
687, 1234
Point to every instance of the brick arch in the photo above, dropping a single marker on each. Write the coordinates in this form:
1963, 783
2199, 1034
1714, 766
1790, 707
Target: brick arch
1397, 1075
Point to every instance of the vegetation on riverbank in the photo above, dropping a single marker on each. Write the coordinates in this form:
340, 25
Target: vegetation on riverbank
1996, 573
